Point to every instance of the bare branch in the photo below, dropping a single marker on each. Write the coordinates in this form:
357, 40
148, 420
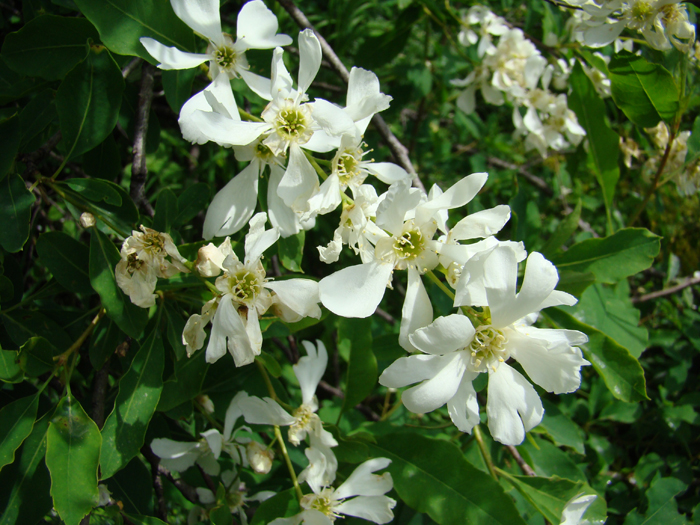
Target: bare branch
690, 281
527, 469
138, 165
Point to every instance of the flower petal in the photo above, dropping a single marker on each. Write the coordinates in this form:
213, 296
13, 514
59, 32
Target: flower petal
464, 407
388, 172
435, 392
264, 412
309, 59
412, 369
300, 295
417, 310
310, 369
234, 204
261, 86
363, 483
299, 181
202, 16
444, 335
257, 27
355, 291
372, 508
172, 57
233, 412
281, 216
481, 224
225, 131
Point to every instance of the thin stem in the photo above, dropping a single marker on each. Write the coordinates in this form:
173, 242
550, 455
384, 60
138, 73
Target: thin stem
484, 452
62, 358
657, 177
247, 116
270, 388
290, 467
431, 275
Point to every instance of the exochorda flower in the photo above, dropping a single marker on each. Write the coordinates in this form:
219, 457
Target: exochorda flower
575, 508
362, 495
144, 259
454, 352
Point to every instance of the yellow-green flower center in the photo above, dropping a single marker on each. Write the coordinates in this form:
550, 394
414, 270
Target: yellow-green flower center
291, 123
225, 57
487, 348
133, 262
263, 152
322, 503
641, 11
245, 286
409, 244
347, 165
153, 243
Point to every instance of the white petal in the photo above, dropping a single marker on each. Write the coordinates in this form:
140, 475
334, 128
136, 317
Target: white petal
257, 27
328, 197
467, 100
388, 172
172, 57
233, 412
281, 216
500, 278
417, 310
225, 131
372, 508
558, 298
322, 142
604, 34
215, 441
301, 295
233, 206
209, 464
309, 59
190, 131
513, 406
444, 335
310, 369
281, 79
259, 239
355, 291
264, 412
481, 224
435, 392
206, 496
219, 95
464, 407
364, 96
459, 193
391, 212
202, 16
363, 483
299, 181
412, 369
332, 118
169, 449
261, 86
575, 508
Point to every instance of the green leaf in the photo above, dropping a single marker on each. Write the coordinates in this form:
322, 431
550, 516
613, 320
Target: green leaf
603, 142
88, 101
612, 312
104, 256
663, 508
166, 211
139, 391
191, 202
122, 22
271, 364
186, 382
174, 326
132, 486
10, 371
548, 495
575, 283
548, 460
16, 423
15, 209
9, 143
612, 258
103, 161
621, 372
72, 455
281, 505
96, 190
221, 515
67, 260
36, 116
104, 340
36, 356
26, 483
177, 84
355, 336
561, 429
378, 50
24, 324
144, 520
291, 251
49, 46
432, 476
644, 91
563, 233
693, 142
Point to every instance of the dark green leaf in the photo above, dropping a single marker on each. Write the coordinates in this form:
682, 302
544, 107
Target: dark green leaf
693, 142
281, 505
16, 423
563, 233
271, 364
38, 114
185, 383
663, 508
15, 209
166, 211
561, 429
7, 289
355, 336
548, 460
603, 142
291, 251
88, 101
139, 391
612, 258
104, 256
132, 486
72, 454
103, 161
96, 190
9, 143
14, 86
191, 202
174, 326
49, 46
104, 340
122, 22
575, 283
177, 84
621, 372
10, 371
36, 356
221, 515
644, 91
145, 520
432, 476
23, 324
381, 49
67, 260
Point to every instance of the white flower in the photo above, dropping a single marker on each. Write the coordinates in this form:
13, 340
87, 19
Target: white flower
256, 29
362, 496
454, 353
575, 508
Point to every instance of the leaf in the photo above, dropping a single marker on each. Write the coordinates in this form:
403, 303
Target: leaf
174, 326
355, 335
432, 476
23, 324
139, 391
378, 50
9, 143
133, 487
548, 495
103, 161
563, 233
575, 283
144, 520
271, 364
663, 508
72, 455
177, 84
104, 340
104, 256
645, 92
122, 22
603, 142
26, 483
186, 382
291, 251
166, 211
191, 202
16, 423
612, 313
621, 372
35, 117
561, 429
49, 46
281, 505
610, 259
96, 190
36, 356
88, 101
693, 142
67, 260
10, 371
15, 209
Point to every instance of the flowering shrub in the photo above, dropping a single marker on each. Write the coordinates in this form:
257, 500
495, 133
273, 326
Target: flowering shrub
450, 340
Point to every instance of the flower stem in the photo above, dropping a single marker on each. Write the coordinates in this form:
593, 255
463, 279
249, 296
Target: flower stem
484, 452
431, 275
290, 467
62, 358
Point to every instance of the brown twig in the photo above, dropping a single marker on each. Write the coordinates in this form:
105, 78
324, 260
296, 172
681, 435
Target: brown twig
130, 67
385, 315
397, 148
154, 461
527, 469
657, 178
138, 165
690, 281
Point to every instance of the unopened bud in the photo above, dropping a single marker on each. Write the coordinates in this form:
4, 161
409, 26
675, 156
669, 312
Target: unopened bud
206, 403
259, 457
87, 220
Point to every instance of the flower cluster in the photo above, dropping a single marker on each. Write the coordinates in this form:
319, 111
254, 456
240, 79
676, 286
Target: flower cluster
513, 70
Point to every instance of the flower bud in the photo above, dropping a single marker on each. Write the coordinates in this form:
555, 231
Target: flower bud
259, 457
87, 220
